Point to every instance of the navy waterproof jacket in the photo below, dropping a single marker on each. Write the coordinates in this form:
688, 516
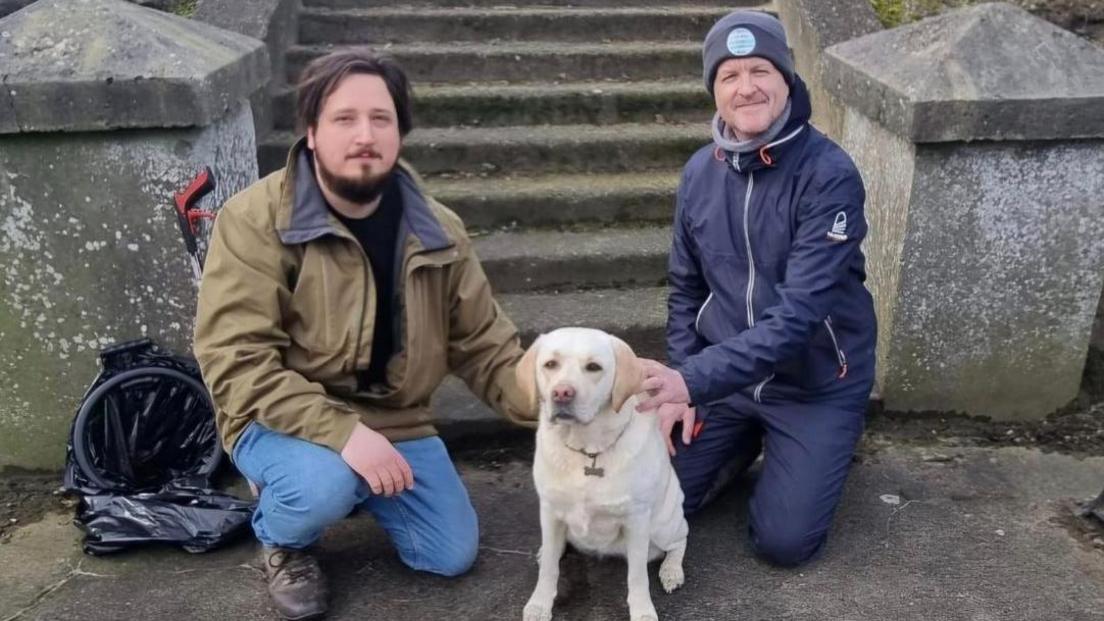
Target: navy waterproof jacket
766, 275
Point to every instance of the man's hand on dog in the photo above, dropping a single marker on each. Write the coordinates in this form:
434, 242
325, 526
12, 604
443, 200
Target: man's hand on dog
663, 385
373, 457
669, 397
671, 413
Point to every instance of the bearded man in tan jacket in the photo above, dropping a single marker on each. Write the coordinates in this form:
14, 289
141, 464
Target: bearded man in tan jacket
336, 296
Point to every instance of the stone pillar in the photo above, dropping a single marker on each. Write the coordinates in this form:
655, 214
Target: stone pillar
276, 22
813, 25
107, 108
979, 135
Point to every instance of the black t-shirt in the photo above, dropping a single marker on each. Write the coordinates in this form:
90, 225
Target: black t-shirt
377, 234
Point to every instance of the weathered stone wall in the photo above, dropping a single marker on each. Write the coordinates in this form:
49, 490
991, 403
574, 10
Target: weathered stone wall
108, 109
276, 22
996, 307
812, 26
91, 256
984, 164
886, 162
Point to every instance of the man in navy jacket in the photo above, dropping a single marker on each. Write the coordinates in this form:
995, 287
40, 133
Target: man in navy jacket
771, 332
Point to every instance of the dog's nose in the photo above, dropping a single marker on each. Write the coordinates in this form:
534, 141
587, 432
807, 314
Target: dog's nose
562, 393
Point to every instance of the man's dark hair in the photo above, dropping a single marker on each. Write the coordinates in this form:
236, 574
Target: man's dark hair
320, 78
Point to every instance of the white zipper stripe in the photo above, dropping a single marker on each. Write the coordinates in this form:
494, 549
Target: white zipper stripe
751, 261
751, 276
697, 320
758, 394
840, 356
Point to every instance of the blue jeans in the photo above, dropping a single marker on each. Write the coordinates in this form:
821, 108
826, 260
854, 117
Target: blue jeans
807, 450
306, 487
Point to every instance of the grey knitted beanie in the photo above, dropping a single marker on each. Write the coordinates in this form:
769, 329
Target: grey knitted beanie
746, 33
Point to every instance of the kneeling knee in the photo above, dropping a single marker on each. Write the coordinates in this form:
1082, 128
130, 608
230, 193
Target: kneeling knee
786, 549
315, 501
455, 559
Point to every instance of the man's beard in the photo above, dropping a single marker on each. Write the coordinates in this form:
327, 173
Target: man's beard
360, 190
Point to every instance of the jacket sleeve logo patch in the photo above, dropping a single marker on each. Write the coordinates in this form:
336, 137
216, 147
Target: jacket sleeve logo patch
839, 228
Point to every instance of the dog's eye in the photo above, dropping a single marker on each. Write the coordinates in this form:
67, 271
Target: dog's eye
551, 364
593, 367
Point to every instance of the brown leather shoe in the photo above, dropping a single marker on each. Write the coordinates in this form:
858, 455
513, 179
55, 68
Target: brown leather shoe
295, 582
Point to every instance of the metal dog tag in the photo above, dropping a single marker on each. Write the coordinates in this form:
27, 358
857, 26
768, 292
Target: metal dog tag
592, 470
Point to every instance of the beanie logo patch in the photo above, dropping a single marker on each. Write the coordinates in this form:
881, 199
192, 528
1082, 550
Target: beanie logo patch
741, 42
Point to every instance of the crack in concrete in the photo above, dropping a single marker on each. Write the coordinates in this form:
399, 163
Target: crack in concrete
41, 596
75, 572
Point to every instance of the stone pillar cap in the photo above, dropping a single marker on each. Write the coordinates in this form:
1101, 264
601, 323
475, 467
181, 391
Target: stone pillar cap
986, 72
93, 65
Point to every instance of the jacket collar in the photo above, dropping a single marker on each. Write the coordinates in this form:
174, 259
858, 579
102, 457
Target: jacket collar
769, 154
305, 216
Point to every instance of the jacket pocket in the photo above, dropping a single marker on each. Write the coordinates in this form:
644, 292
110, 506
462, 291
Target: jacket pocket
697, 320
725, 311
820, 364
841, 357
716, 323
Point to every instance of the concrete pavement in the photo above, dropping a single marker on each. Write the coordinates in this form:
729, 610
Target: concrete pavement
937, 532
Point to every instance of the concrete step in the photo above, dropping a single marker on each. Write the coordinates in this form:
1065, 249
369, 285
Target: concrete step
355, 4
379, 26
522, 62
497, 105
539, 149
638, 316
559, 200
549, 260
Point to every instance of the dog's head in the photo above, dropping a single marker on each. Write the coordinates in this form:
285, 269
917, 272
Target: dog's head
573, 374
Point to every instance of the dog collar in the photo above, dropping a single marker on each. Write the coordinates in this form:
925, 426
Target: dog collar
593, 470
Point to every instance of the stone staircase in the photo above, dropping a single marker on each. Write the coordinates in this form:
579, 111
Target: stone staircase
556, 130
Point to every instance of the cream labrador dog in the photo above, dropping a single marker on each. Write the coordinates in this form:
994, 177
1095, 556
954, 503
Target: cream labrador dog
602, 470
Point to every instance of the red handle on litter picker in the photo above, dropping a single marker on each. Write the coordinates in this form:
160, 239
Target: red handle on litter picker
186, 212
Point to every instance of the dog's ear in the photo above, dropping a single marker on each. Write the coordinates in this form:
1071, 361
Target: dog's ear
629, 373
526, 374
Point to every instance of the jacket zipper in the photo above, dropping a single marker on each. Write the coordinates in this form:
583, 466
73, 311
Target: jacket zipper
350, 365
751, 260
840, 356
363, 309
751, 276
758, 393
409, 266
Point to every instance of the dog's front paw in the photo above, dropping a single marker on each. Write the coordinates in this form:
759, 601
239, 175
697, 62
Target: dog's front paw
643, 615
536, 612
671, 575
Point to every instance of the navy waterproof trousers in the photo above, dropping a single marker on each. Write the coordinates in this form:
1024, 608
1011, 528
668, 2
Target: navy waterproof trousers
807, 451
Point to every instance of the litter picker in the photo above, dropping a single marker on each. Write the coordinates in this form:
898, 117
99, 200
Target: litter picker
188, 215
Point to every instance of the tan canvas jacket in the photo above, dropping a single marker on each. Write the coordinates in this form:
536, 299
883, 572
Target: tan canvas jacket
287, 308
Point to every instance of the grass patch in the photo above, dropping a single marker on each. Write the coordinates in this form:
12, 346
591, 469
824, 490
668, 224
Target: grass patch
185, 8
893, 13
